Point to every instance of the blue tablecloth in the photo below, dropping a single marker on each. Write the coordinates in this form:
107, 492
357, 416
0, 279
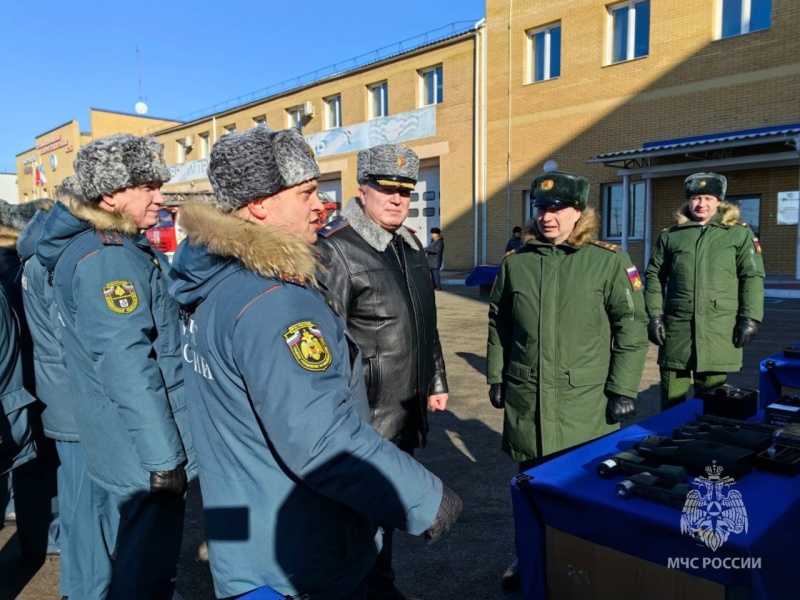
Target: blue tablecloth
482, 275
786, 372
567, 494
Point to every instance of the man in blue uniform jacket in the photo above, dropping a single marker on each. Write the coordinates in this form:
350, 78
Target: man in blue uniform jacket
121, 339
294, 478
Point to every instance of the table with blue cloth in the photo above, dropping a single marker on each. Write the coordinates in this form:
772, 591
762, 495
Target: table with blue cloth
483, 275
783, 372
568, 495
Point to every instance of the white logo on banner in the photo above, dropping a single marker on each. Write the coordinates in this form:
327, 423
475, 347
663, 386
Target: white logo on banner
713, 511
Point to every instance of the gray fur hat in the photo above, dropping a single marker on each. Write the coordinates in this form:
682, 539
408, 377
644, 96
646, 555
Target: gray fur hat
70, 189
389, 165
258, 162
16, 216
117, 162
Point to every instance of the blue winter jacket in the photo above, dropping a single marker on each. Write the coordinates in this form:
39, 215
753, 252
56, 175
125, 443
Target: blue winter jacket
16, 438
294, 478
53, 385
121, 340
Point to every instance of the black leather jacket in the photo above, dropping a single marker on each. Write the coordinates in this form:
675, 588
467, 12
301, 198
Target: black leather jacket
388, 301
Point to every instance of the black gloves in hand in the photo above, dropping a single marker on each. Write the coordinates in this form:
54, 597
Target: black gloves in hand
656, 331
448, 513
619, 408
744, 332
170, 482
497, 395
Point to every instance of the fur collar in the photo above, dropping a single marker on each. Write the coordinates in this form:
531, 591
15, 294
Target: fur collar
103, 220
727, 214
585, 229
266, 250
8, 237
372, 233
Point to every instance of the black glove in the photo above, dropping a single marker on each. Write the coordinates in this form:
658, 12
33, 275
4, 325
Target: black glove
745, 331
169, 482
656, 331
497, 395
619, 408
449, 510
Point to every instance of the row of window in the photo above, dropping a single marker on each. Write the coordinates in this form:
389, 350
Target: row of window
431, 92
629, 33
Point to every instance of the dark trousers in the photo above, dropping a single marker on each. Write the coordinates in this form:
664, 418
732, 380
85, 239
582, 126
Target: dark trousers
32, 494
89, 522
148, 547
436, 275
379, 582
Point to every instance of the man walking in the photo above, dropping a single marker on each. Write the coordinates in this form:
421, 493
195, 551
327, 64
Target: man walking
379, 279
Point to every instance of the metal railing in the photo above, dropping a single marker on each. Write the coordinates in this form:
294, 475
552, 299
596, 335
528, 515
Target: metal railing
397, 48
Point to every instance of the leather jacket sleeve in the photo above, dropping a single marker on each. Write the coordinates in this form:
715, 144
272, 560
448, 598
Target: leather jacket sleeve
335, 276
439, 381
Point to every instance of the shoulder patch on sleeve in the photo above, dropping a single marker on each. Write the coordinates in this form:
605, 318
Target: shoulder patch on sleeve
110, 238
606, 245
633, 275
757, 245
308, 346
121, 296
332, 227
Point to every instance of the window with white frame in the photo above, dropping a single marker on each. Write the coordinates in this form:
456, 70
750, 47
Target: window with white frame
294, 117
743, 16
612, 210
431, 86
379, 100
259, 120
333, 112
629, 35
205, 146
180, 146
230, 128
544, 53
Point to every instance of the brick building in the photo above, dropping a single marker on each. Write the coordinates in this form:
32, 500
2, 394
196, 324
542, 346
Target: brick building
635, 95
646, 92
422, 97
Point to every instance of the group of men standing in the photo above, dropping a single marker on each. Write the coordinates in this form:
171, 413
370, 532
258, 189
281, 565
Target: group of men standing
292, 365
568, 317
297, 392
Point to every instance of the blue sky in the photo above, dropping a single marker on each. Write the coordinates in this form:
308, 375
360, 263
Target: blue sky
58, 58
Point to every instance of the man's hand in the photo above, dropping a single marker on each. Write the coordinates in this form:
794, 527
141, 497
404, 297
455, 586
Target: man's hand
438, 401
745, 331
656, 331
497, 395
169, 482
619, 408
449, 510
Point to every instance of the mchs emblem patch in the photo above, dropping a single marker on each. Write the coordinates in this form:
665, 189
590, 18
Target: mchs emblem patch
308, 346
121, 296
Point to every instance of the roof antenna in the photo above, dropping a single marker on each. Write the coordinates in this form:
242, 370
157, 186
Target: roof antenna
140, 107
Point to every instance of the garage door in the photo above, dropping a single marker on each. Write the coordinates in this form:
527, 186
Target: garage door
425, 210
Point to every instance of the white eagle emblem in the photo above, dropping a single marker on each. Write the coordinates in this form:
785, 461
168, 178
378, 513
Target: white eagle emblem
713, 511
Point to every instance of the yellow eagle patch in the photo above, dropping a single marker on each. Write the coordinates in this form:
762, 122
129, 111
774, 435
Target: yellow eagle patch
308, 346
121, 296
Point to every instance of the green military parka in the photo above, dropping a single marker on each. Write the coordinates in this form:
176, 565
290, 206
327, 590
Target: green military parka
566, 324
712, 275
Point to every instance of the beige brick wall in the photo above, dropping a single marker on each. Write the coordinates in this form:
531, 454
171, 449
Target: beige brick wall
688, 85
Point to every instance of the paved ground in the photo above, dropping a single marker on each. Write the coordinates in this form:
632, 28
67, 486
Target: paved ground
464, 449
